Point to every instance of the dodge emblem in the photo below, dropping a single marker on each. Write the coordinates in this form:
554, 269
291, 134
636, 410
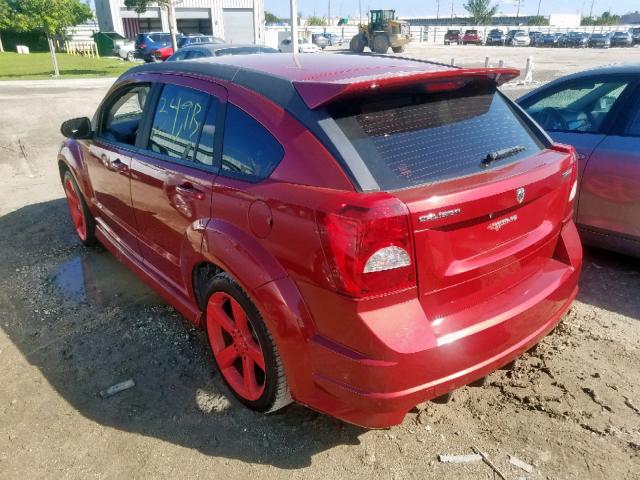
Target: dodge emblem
520, 194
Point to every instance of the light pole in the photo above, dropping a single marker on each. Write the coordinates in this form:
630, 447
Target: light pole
294, 25
539, 2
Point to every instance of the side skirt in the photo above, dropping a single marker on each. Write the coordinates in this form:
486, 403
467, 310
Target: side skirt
172, 296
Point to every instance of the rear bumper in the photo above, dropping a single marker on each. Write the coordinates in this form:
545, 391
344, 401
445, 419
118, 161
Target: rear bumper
415, 363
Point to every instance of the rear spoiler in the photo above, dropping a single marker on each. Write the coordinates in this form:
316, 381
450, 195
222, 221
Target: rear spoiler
317, 93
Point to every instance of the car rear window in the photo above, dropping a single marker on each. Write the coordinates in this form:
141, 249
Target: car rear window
160, 37
410, 139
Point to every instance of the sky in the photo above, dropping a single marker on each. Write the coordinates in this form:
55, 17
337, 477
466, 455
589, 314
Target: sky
413, 8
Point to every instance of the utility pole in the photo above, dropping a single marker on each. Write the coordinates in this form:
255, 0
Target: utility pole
437, 11
294, 25
171, 16
518, 11
591, 11
452, 12
329, 13
539, 2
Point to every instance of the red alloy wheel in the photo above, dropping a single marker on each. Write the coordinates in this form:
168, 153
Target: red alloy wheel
235, 346
75, 208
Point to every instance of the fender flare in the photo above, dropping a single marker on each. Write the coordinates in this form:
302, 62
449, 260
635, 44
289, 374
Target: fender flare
272, 290
71, 156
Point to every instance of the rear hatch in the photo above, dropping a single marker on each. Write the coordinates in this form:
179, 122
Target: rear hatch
486, 194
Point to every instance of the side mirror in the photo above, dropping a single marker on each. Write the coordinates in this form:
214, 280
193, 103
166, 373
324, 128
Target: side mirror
77, 128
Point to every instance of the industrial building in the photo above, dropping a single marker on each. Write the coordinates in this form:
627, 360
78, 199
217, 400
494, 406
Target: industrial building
237, 21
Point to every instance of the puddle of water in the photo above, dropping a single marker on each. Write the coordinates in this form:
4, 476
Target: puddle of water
98, 278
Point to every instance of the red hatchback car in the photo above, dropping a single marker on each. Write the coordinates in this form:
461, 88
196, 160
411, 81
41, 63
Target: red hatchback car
358, 234
472, 36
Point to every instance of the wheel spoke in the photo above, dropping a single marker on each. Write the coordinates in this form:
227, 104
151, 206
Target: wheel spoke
227, 356
240, 317
255, 353
220, 317
249, 376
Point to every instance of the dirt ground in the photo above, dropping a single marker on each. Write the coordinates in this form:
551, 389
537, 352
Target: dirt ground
73, 321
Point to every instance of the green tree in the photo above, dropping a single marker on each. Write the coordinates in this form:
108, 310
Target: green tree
4, 19
50, 17
141, 6
314, 21
538, 21
607, 18
482, 11
270, 17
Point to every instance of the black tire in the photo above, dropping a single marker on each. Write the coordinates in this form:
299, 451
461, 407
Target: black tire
131, 56
357, 44
399, 49
276, 393
90, 222
380, 44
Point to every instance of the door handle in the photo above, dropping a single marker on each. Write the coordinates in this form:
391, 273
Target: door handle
117, 165
189, 190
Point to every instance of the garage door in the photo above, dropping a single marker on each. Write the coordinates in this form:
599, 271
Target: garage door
238, 25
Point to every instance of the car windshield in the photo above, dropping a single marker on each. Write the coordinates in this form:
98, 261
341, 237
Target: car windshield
471, 32
620, 34
410, 139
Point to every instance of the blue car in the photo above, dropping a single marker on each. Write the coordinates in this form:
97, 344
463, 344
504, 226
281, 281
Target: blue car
149, 42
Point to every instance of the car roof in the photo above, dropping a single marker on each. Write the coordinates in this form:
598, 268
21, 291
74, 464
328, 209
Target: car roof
222, 46
319, 79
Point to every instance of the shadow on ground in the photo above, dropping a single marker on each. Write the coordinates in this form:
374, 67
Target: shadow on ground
611, 281
86, 323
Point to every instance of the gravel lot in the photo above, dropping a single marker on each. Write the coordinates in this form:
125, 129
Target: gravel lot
73, 321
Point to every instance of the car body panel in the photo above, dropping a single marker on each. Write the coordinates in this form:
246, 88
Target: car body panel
361, 359
608, 201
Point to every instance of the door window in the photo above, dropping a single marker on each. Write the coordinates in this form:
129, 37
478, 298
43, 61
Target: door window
253, 159
177, 123
581, 106
121, 119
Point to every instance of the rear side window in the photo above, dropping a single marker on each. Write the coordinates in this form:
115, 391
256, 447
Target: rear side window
412, 139
160, 38
249, 151
178, 121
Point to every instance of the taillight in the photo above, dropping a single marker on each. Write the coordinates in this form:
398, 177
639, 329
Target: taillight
142, 46
367, 244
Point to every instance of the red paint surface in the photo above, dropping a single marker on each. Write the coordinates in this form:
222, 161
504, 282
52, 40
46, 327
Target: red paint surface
473, 299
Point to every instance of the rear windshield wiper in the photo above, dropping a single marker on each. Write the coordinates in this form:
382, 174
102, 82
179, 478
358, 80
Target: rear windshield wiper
500, 154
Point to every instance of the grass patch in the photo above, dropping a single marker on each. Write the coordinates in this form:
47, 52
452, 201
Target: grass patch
38, 66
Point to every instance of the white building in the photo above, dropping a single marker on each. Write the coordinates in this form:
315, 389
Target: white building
237, 21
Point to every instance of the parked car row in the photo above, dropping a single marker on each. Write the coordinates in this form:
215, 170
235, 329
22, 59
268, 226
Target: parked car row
521, 38
154, 47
